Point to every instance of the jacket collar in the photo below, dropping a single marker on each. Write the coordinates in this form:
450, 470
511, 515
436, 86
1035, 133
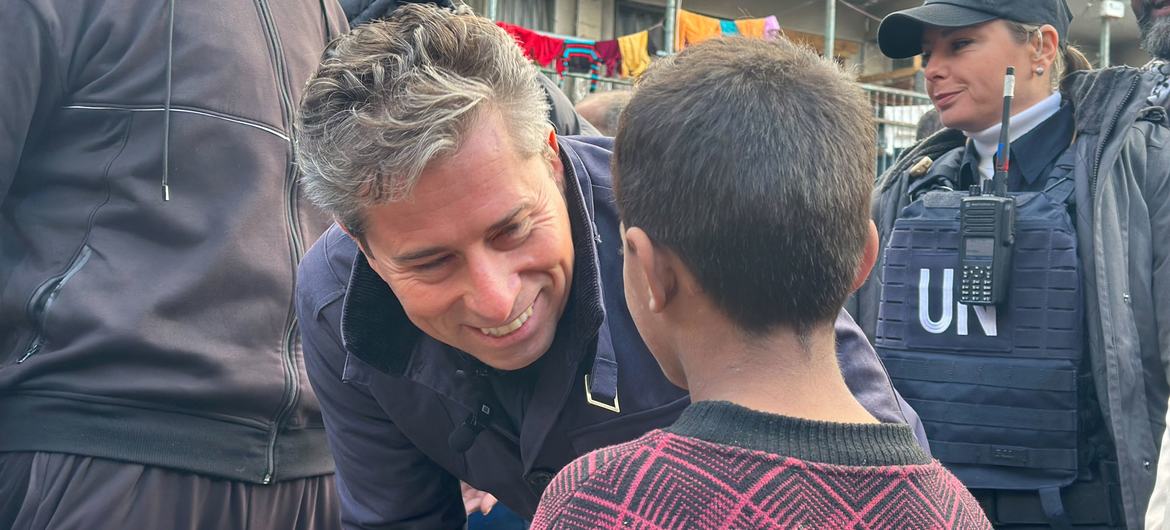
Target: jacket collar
1031, 153
1098, 95
933, 147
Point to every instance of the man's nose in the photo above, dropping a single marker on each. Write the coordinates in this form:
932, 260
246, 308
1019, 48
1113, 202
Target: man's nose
493, 286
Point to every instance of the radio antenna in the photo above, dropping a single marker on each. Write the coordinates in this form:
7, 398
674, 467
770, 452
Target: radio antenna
999, 181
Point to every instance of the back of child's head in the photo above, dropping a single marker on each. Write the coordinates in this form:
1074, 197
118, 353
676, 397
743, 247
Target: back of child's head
753, 162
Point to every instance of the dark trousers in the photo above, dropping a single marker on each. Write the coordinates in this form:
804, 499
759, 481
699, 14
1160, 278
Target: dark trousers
40, 491
500, 518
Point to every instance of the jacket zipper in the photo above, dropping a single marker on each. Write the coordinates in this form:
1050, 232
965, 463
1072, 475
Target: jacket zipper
42, 300
1108, 131
291, 217
1097, 161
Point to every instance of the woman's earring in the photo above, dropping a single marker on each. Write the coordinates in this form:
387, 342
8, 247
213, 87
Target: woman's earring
1039, 70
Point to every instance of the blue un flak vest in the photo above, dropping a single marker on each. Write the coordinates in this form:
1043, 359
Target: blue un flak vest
996, 387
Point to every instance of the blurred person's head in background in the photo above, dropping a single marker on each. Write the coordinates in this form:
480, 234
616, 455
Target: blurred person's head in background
1153, 18
603, 109
928, 124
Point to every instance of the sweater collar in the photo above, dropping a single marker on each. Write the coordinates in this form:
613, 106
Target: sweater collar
846, 444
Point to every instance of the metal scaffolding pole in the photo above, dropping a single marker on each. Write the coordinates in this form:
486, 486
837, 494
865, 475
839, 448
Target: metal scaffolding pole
1103, 53
493, 8
668, 28
830, 26
1110, 10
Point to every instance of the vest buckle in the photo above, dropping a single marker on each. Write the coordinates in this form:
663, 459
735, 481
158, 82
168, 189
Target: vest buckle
615, 407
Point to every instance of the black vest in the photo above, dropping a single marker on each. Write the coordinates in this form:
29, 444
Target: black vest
999, 389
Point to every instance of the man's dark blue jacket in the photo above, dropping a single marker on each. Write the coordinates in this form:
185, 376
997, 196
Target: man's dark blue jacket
392, 396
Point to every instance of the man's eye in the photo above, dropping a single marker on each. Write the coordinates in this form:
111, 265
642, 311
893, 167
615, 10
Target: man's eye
513, 233
433, 264
960, 44
925, 58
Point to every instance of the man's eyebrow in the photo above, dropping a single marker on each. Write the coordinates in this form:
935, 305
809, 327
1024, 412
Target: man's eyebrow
508, 219
427, 252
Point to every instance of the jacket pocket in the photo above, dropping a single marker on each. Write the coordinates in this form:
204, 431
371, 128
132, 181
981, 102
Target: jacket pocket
42, 301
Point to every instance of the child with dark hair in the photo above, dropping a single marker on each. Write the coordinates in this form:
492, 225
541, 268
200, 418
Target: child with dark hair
743, 171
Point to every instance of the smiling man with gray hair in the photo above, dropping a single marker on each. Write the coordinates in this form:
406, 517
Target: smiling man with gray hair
464, 319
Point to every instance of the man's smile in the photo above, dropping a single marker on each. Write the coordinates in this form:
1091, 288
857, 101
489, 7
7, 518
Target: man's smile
510, 327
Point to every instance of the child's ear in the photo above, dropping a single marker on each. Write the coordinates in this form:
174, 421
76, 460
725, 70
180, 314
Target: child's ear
869, 256
651, 261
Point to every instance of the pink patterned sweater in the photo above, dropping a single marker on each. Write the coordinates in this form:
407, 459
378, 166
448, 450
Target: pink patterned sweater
722, 466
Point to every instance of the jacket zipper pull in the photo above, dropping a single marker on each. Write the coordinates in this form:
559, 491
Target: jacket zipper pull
32, 350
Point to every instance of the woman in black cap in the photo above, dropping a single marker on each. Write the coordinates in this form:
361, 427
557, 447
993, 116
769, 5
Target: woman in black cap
1049, 403
967, 45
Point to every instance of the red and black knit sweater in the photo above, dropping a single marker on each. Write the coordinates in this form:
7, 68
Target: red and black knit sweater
722, 466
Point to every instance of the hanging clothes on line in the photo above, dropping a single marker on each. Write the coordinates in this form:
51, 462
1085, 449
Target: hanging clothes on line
635, 53
771, 27
693, 28
611, 55
542, 49
751, 27
581, 57
630, 55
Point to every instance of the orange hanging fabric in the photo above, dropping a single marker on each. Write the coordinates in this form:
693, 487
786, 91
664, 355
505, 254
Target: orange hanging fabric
751, 27
693, 28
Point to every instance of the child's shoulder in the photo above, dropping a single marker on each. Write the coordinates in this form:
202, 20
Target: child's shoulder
603, 461
602, 466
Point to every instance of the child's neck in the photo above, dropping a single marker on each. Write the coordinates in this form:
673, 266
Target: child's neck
776, 373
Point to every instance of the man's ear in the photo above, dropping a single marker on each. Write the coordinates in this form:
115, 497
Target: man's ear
652, 263
552, 141
869, 256
359, 239
552, 153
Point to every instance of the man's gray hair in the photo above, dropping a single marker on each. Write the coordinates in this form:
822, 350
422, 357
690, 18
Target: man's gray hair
390, 97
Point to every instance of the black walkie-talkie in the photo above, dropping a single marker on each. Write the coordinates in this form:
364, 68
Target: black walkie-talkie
987, 225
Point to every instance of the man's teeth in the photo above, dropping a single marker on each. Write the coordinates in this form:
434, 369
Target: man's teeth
509, 327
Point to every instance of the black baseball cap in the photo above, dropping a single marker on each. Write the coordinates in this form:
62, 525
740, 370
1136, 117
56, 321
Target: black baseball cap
900, 33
